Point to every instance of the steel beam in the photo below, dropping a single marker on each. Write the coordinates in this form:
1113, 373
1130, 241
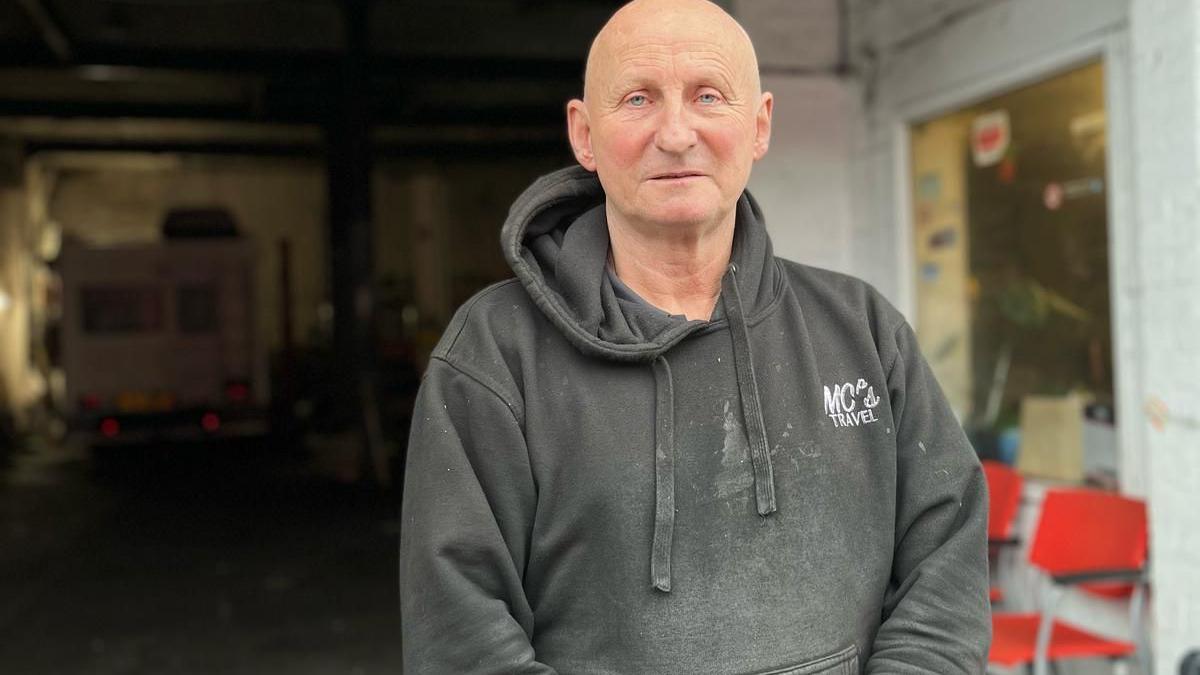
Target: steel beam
50, 29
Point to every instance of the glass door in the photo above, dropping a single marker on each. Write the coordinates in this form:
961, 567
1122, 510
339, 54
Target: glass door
1012, 287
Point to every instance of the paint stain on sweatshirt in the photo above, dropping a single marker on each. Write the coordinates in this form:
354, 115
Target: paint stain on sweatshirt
735, 476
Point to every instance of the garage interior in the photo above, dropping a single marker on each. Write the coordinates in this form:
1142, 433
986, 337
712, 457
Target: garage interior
367, 153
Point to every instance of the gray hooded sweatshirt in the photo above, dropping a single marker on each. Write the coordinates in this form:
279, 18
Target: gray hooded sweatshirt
594, 486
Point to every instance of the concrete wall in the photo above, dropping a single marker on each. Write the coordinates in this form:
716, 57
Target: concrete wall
1166, 127
803, 183
792, 34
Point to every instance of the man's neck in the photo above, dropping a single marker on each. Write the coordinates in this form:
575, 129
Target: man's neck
677, 271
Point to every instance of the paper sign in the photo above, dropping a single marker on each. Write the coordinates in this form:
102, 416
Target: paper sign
990, 137
1052, 438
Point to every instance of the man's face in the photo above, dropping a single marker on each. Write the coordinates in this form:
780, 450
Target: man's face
672, 118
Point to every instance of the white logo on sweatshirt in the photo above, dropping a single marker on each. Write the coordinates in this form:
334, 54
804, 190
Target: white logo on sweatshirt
851, 404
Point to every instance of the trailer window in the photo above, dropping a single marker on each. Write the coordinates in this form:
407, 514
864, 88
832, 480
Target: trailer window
196, 306
122, 309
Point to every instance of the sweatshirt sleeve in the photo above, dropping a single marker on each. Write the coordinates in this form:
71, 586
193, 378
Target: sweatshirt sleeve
465, 520
936, 617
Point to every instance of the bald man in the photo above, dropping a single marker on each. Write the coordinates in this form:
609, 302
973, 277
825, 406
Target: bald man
661, 449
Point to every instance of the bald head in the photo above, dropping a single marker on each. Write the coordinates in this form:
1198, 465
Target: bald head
673, 117
643, 25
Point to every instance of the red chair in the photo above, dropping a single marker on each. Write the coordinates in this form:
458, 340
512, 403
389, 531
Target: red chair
1083, 537
1004, 498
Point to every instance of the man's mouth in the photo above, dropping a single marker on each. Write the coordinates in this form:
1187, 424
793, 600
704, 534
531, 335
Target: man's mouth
675, 175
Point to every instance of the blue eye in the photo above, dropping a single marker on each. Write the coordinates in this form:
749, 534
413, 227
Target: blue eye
637, 100
708, 98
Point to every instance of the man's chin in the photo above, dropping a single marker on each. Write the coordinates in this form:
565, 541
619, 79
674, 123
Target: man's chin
698, 211
677, 218
688, 207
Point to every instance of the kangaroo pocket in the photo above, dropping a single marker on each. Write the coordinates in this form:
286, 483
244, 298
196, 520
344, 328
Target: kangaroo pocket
844, 662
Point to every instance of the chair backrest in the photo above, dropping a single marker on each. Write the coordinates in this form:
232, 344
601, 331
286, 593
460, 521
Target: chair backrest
1004, 497
1086, 530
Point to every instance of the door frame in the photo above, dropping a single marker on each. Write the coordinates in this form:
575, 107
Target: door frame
1000, 48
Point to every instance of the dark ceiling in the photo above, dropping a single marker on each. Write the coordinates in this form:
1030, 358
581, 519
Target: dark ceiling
472, 73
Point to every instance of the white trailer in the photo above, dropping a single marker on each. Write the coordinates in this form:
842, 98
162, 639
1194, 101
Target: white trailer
158, 341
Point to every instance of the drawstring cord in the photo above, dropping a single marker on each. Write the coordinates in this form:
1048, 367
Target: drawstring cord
760, 454
664, 476
664, 436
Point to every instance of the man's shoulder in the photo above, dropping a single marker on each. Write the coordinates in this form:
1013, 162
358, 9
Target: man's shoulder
845, 307
809, 274
816, 284
492, 336
501, 313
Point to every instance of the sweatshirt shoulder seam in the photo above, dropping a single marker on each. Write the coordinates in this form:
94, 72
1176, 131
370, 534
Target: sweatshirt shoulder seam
487, 383
466, 310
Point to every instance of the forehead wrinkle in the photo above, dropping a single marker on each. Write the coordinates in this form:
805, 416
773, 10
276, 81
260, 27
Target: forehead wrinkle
623, 41
690, 66
638, 70
715, 63
666, 51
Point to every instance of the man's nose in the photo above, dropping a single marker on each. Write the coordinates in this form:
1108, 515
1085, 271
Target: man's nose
675, 131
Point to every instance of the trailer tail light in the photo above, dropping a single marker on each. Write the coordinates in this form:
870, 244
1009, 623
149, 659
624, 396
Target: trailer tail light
89, 402
110, 427
211, 422
237, 392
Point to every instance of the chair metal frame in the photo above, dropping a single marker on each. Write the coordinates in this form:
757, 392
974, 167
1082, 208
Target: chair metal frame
1051, 593
1056, 581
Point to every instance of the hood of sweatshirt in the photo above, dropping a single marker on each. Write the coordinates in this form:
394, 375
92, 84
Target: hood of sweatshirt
556, 241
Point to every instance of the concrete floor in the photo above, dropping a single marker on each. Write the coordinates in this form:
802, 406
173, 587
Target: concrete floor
193, 560
203, 560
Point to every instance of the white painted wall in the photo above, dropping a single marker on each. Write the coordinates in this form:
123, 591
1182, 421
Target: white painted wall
1165, 45
792, 34
803, 182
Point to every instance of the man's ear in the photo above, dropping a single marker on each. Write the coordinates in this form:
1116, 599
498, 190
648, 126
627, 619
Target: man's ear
762, 126
579, 130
